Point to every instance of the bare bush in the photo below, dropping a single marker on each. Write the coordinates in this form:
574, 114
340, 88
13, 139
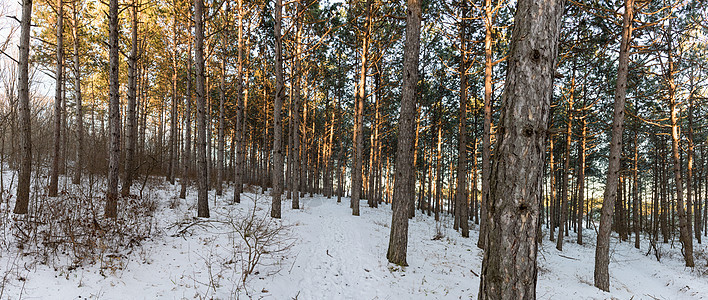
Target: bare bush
69, 231
255, 241
254, 234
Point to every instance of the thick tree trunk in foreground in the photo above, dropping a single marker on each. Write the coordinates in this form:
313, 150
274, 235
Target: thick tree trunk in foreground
403, 189
509, 264
25, 170
602, 250
202, 176
277, 117
113, 112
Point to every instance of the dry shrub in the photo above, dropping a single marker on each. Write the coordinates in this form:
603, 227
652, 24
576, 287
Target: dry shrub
256, 241
70, 230
255, 235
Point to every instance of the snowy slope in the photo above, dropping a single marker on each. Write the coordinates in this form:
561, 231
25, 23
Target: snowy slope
336, 256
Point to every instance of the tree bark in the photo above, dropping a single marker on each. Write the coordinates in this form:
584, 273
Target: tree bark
221, 142
25, 169
202, 176
113, 112
187, 151
296, 103
509, 265
132, 130
461, 192
78, 169
486, 139
277, 115
566, 168
358, 137
663, 191
581, 178
239, 124
690, 184
173, 114
602, 250
684, 224
329, 161
552, 188
58, 76
635, 193
403, 189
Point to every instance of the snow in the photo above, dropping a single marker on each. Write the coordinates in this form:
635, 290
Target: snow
333, 255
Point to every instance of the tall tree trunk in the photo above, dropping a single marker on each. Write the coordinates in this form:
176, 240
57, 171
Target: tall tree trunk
486, 139
64, 122
377, 133
25, 169
635, 193
602, 250
289, 171
132, 130
475, 174
461, 192
238, 131
684, 213
438, 170
277, 115
329, 181
552, 188
684, 224
566, 168
113, 112
655, 193
689, 173
296, 103
173, 114
705, 191
78, 169
221, 142
341, 155
701, 173
581, 177
403, 189
509, 264
359, 116
187, 152
54, 176
414, 174
374, 145
202, 176
302, 153
665, 233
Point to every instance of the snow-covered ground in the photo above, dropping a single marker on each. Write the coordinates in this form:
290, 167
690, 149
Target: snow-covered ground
332, 255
